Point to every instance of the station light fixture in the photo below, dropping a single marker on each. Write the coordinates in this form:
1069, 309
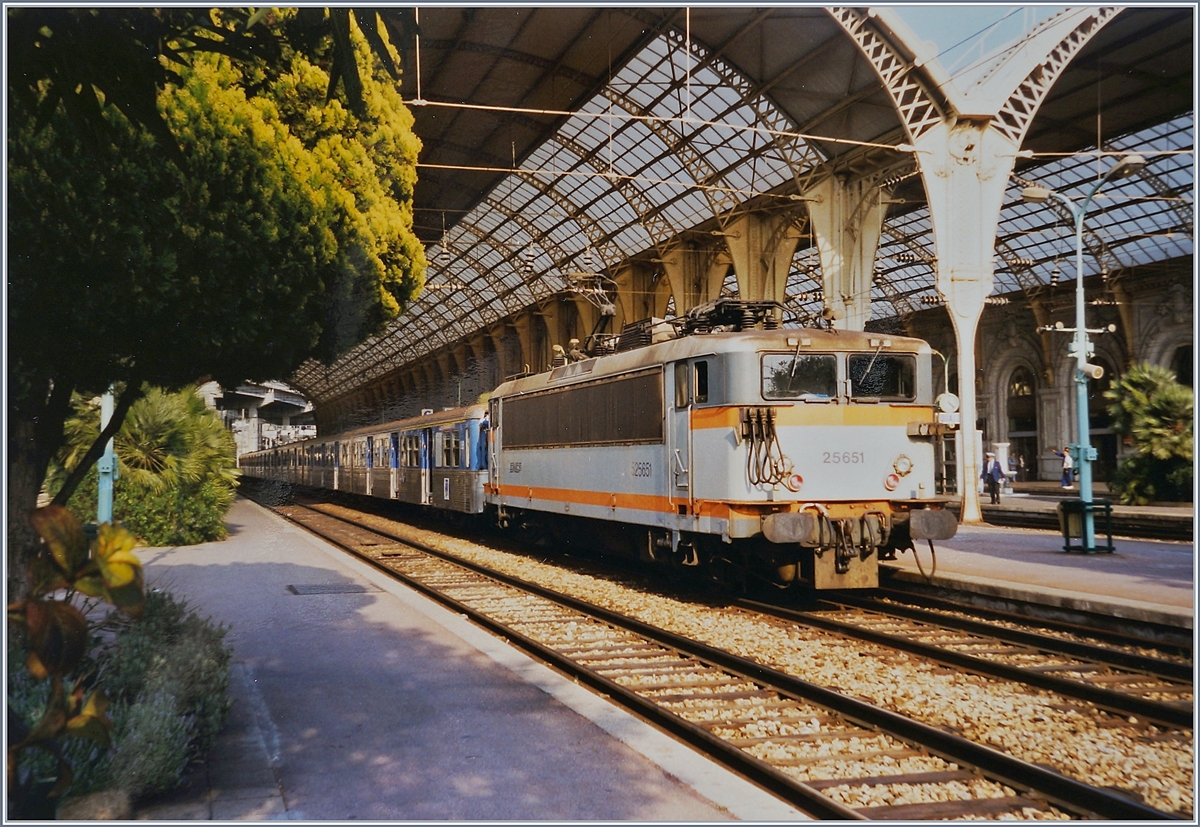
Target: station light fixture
1081, 348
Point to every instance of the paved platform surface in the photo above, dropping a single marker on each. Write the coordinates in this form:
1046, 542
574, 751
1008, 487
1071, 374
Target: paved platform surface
1143, 580
366, 701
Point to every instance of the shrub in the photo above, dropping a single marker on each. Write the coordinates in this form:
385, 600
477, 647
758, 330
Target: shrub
166, 674
1156, 415
152, 745
176, 474
174, 651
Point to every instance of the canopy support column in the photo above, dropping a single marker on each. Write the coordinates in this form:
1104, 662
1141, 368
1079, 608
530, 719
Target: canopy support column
762, 250
696, 275
847, 222
965, 167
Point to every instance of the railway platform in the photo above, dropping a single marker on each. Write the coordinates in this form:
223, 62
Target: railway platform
356, 698
1143, 580
1033, 505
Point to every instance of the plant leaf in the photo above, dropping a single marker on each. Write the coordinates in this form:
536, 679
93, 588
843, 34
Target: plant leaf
114, 556
45, 576
58, 636
92, 721
119, 569
63, 535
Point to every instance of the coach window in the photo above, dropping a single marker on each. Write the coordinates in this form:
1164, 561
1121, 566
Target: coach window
882, 376
799, 376
451, 449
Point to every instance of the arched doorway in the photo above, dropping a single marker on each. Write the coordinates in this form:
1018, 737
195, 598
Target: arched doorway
1022, 421
1181, 365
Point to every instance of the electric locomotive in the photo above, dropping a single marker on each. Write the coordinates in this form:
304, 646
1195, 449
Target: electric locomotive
717, 441
797, 455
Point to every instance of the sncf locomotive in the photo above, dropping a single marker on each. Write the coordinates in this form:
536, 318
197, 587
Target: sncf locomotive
795, 455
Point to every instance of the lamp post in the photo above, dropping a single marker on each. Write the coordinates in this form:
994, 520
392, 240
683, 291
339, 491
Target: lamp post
1081, 348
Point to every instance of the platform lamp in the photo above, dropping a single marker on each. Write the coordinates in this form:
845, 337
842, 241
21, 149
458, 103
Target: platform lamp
1081, 348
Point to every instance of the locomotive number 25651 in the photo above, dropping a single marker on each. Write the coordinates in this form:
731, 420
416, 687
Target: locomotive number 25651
641, 469
843, 457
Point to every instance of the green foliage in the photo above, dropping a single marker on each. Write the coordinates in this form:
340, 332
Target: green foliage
1156, 415
220, 216
167, 675
28, 700
176, 463
152, 746
288, 236
171, 672
86, 58
67, 579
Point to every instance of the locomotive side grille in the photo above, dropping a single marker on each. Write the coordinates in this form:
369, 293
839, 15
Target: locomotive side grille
628, 409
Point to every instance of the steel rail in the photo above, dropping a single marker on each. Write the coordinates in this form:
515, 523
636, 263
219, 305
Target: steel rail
1172, 716
1060, 790
1121, 638
1172, 670
780, 784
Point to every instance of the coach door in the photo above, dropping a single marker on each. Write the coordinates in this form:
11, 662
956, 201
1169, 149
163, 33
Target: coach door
680, 446
394, 467
369, 465
426, 465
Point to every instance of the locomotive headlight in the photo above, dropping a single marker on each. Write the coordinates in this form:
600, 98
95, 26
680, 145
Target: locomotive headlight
794, 482
902, 465
891, 482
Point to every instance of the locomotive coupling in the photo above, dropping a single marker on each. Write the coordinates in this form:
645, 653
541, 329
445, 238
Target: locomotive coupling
815, 530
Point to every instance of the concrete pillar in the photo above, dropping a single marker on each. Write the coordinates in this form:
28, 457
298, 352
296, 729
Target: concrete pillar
965, 167
762, 250
255, 429
557, 317
847, 221
523, 324
695, 275
641, 293
504, 367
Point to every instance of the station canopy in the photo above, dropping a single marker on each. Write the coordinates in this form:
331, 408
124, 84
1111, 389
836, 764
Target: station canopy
569, 140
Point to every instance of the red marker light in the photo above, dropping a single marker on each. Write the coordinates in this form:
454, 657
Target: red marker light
891, 482
794, 482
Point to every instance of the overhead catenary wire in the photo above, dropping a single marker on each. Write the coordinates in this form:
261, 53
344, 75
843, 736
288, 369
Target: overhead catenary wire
629, 116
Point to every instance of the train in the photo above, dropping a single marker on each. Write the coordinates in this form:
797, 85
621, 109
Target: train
719, 442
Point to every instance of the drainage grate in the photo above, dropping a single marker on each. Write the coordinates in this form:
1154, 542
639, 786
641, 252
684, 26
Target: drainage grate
330, 588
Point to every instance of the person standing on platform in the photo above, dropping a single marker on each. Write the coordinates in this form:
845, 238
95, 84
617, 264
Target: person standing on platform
1021, 468
992, 476
1068, 468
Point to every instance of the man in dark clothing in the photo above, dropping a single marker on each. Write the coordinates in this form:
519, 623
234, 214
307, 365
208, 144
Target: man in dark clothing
992, 476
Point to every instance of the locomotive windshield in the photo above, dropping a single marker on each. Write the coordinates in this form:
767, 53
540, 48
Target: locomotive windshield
880, 376
792, 376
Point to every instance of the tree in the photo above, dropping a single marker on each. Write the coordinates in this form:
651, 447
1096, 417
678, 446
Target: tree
285, 234
1156, 415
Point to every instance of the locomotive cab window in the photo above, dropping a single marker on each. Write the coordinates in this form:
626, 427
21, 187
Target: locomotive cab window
799, 376
700, 370
681, 385
883, 376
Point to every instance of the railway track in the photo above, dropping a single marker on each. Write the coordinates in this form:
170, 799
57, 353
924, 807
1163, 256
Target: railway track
1143, 526
1167, 641
1156, 690
829, 754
